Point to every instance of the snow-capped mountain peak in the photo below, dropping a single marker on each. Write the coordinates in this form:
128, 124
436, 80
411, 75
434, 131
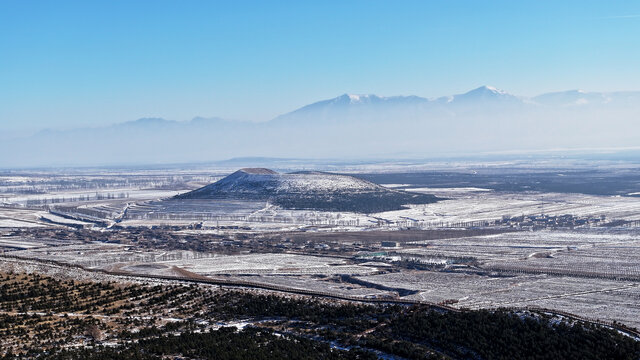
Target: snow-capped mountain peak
491, 89
482, 95
487, 91
370, 108
358, 97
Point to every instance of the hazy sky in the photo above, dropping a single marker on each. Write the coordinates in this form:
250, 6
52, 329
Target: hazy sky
90, 63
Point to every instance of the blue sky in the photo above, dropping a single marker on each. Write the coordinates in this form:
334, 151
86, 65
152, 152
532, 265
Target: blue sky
90, 63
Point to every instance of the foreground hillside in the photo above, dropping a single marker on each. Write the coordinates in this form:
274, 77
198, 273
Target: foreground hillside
308, 190
48, 318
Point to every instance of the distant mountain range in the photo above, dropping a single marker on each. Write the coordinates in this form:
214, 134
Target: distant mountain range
482, 96
485, 119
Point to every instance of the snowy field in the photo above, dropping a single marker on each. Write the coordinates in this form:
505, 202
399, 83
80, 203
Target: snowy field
136, 198
589, 272
474, 205
309, 282
593, 298
272, 264
124, 258
462, 206
21, 218
525, 245
77, 196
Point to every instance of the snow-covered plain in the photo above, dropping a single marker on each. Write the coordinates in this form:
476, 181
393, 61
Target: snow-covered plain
122, 257
490, 205
462, 205
21, 218
592, 298
104, 197
587, 272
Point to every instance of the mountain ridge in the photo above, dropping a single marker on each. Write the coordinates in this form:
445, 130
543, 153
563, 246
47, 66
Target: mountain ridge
481, 97
574, 97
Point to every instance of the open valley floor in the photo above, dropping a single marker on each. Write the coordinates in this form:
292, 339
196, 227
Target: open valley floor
492, 246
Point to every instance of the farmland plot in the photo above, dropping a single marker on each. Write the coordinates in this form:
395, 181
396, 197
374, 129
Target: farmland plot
615, 261
21, 218
272, 264
123, 258
473, 205
100, 255
313, 283
593, 298
521, 245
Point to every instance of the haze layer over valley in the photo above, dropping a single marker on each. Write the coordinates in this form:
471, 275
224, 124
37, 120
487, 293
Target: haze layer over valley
485, 119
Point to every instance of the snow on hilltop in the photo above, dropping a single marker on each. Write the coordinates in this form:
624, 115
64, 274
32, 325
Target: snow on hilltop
257, 171
308, 190
260, 181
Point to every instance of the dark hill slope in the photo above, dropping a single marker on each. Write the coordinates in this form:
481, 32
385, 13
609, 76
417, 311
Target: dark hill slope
308, 190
